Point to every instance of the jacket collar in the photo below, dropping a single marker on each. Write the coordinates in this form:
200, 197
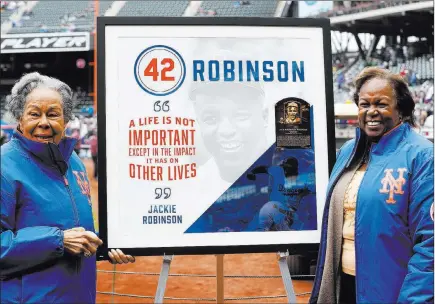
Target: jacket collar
49, 154
390, 140
387, 144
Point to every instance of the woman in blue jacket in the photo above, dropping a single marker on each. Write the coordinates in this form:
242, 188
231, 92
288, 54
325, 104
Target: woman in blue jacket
48, 242
377, 239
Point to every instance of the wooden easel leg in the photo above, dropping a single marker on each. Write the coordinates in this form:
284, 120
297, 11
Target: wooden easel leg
220, 278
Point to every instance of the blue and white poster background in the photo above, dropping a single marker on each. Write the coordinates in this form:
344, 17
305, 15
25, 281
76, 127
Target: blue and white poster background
234, 132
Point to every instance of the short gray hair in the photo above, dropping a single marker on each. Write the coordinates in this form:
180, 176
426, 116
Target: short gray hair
28, 82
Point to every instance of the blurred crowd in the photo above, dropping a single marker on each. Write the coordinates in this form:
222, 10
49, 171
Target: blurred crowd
11, 6
67, 22
84, 129
413, 61
423, 97
212, 12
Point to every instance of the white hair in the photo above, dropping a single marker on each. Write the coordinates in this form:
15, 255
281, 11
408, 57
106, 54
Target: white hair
27, 83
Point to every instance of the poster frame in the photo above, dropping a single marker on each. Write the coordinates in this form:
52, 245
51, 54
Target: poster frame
103, 22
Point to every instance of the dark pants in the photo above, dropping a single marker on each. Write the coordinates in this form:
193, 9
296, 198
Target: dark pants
348, 289
95, 159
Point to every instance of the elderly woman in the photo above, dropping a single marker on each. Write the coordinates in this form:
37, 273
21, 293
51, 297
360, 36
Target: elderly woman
377, 239
48, 243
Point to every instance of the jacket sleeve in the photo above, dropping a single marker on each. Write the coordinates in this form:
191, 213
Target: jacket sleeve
418, 286
24, 248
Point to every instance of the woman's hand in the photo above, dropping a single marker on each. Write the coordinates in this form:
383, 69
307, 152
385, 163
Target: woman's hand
118, 257
79, 241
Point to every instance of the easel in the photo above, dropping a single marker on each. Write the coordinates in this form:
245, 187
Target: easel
163, 278
283, 267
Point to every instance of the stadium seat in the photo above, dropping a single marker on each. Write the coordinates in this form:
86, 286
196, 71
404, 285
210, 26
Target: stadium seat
50, 14
232, 9
154, 8
5, 14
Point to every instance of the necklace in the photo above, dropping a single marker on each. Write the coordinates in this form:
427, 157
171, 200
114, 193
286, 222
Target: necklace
366, 155
365, 159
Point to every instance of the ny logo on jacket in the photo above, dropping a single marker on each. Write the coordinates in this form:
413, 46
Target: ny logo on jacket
391, 185
83, 182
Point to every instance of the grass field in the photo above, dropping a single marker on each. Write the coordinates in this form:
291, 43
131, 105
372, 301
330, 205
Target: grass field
194, 287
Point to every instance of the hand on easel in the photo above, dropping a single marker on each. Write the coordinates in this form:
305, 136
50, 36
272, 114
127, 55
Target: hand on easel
118, 257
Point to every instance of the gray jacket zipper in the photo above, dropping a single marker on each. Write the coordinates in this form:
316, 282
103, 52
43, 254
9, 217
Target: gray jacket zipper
76, 214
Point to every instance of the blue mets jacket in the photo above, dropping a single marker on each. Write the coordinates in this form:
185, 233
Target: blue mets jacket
394, 228
44, 190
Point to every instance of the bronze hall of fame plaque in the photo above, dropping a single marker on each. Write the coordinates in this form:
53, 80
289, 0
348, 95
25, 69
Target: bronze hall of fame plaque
293, 123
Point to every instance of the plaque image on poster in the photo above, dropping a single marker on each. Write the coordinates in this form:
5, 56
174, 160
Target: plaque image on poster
293, 123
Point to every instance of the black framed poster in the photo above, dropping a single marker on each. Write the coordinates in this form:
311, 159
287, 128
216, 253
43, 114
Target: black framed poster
216, 135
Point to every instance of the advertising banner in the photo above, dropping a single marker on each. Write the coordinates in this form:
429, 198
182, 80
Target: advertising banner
45, 42
215, 138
